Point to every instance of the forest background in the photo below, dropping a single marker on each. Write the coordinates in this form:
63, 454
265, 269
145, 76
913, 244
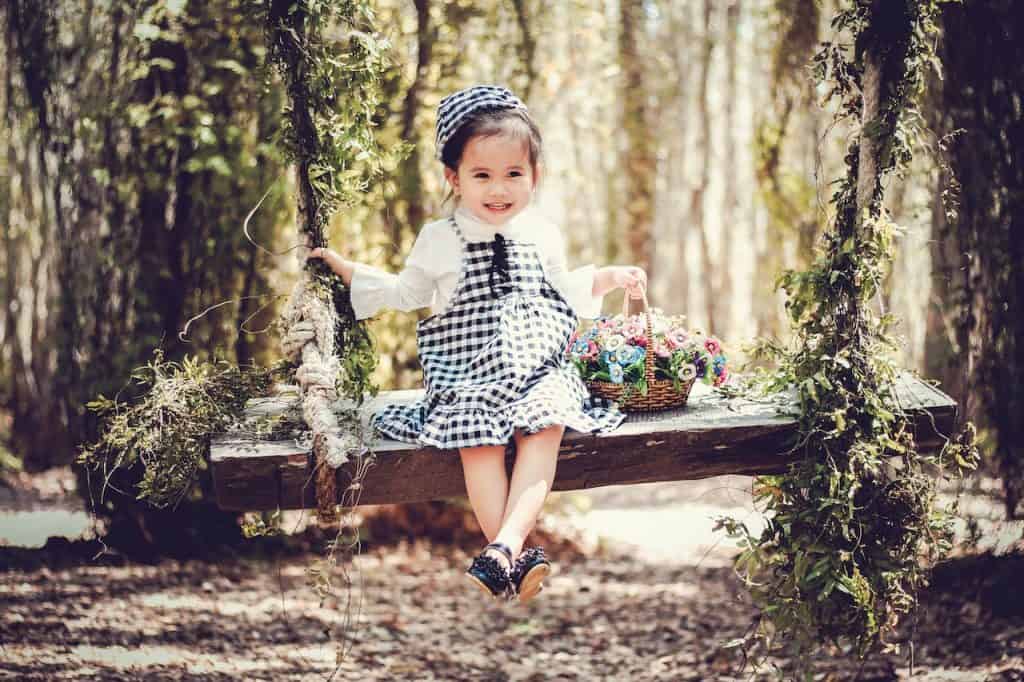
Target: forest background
686, 137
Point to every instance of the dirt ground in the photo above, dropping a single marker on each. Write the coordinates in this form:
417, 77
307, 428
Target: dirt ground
642, 590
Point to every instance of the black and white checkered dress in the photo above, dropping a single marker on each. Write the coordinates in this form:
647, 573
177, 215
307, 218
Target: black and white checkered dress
495, 360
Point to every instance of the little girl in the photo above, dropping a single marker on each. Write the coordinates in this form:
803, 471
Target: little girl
504, 309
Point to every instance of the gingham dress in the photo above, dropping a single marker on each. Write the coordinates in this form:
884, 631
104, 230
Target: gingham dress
495, 360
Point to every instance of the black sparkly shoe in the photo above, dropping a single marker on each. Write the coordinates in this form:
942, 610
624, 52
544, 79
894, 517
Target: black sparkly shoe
529, 572
489, 574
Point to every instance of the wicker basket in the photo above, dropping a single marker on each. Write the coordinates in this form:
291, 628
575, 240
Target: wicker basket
661, 393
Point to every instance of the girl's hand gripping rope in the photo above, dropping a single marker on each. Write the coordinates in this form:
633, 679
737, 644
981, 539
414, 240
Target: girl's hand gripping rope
343, 268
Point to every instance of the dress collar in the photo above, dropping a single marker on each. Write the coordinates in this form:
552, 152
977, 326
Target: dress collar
475, 229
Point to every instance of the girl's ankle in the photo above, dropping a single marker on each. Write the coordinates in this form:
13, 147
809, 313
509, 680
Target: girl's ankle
500, 556
503, 552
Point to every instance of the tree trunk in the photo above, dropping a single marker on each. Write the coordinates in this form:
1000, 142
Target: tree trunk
787, 148
982, 89
527, 47
638, 158
161, 248
682, 38
730, 228
410, 173
698, 204
943, 360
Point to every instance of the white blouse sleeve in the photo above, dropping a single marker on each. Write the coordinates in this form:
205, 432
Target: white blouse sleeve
373, 289
577, 285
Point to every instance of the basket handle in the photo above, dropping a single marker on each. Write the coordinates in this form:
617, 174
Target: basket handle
649, 328
626, 299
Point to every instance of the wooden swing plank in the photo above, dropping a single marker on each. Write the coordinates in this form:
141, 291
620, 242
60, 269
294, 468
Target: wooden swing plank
711, 436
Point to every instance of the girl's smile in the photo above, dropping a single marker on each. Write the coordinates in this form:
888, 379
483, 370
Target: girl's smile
495, 180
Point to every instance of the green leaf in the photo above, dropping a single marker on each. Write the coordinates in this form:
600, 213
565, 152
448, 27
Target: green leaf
206, 136
219, 165
145, 31
162, 63
231, 65
175, 7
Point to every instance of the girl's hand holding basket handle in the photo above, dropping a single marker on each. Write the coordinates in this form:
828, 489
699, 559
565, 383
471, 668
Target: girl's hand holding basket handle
629, 277
632, 279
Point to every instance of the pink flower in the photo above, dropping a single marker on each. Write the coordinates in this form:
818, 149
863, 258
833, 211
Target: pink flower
633, 329
676, 338
638, 341
662, 350
591, 351
712, 345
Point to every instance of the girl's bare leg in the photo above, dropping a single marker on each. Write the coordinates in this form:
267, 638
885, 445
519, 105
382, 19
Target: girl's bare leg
532, 476
486, 485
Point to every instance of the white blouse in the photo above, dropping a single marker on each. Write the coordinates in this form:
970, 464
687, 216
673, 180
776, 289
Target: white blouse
431, 270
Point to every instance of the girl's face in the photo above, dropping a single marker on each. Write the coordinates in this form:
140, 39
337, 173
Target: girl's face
495, 179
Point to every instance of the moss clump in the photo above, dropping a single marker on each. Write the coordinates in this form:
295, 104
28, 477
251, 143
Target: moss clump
167, 429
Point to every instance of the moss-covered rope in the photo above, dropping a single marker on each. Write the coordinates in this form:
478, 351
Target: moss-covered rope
333, 89
849, 536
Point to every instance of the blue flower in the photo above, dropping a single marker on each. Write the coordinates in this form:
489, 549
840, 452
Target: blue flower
639, 353
633, 354
624, 355
615, 371
580, 347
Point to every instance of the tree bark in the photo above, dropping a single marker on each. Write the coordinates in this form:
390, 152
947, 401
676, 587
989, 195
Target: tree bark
681, 39
730, 210
527, 46
982, 247
698, 203
638, 157
410, 171
786, 149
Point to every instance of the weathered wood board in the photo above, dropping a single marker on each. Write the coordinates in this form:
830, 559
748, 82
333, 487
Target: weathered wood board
710, 436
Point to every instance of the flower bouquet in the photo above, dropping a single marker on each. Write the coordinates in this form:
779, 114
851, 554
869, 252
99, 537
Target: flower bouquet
648, 361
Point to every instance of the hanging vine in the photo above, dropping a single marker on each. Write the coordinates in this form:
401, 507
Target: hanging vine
333, 87
328, 133
851, 529
333, 90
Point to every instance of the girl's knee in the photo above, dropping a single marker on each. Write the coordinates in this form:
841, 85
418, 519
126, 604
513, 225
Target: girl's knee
482, 451
555, 430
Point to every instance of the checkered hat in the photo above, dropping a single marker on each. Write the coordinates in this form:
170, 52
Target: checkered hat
455, 109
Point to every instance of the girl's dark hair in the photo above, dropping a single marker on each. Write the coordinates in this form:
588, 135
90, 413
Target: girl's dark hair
489, 122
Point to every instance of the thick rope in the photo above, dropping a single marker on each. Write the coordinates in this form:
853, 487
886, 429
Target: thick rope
309, 338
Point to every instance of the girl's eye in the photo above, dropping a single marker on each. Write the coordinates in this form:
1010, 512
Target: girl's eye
515, 174
480, 176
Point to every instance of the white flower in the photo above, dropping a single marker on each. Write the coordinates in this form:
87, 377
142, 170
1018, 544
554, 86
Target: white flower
615, 342
686, 372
